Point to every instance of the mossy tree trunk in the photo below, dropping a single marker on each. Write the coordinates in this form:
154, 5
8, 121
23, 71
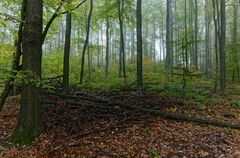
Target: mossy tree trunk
30, 118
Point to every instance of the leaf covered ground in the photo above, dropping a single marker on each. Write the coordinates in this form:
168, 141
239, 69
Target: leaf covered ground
92, 129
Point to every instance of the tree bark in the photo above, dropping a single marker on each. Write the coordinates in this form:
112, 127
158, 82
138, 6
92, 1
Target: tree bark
86, 41
139, 46
67, 52
122, 44
16, 61
29, 123
222, 47
107, 49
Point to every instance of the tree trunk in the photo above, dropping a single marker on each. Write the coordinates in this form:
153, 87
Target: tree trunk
67, 52
186, 36
107, 49
29, 123
86, 41
234, 41
207, 40
122, 44
16, 60
139, 46
196, 36
168, 40
222, 47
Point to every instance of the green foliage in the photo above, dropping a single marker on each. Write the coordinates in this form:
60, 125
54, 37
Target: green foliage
195, 96
153, 153
148, 130
202, 106
16, 99
215, 101
235, 103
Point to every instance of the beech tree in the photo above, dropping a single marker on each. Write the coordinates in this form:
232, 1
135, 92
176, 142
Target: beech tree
30, 117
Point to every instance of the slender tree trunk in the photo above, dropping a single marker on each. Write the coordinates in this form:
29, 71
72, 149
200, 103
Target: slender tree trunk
139, 46
186, 35
196, 36
222, 47
107, 49
207, 40
234, 41
216, 41
168, 40
86, 41
98, 51
89, 62
122, 44
67, 52
132, 45
16, 61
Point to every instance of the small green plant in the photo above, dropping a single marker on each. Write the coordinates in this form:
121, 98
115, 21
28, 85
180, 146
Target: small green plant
153, 153
235, 103
130, 151
173, 109
202, 106
215, 101
148, 130
195, 96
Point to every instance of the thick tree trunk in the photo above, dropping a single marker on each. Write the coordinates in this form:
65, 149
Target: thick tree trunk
30, 117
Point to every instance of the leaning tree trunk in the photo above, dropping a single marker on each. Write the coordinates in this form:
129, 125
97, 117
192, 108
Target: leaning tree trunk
16, 60
30, 117
86, 41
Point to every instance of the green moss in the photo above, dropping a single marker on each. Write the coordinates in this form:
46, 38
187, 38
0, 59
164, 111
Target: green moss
16, 99
235, 103
22, 137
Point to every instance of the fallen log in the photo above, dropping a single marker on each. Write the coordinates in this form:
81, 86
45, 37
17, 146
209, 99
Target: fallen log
171, 116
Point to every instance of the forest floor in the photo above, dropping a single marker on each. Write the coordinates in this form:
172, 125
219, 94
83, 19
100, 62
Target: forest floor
93, 129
